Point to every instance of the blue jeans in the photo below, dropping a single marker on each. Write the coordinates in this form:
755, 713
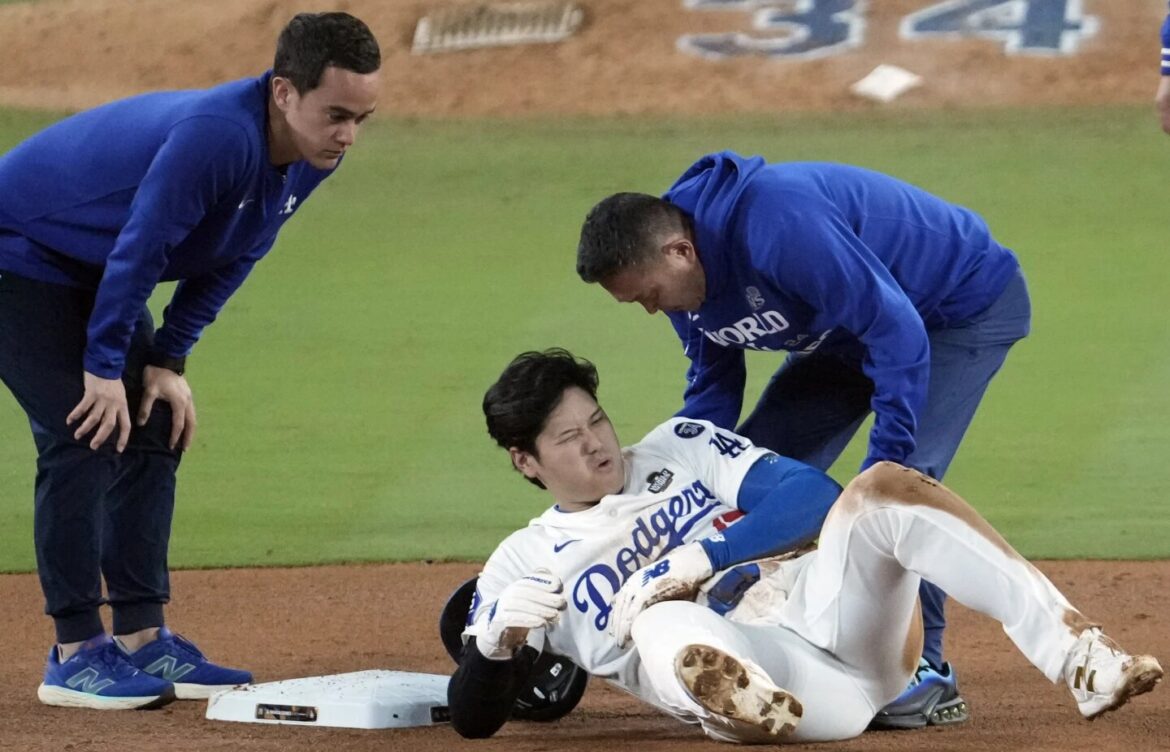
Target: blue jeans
96, 511
815, 403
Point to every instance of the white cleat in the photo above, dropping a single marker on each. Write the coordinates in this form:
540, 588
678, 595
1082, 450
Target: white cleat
737, 689
1102, 677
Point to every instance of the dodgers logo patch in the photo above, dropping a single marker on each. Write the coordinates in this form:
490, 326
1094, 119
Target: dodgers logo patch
688, 430
660, 480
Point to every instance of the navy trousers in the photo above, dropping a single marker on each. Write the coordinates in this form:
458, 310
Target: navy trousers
815, 403
96, 512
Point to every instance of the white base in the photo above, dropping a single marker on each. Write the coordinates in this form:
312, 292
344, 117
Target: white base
886, 83
363, 699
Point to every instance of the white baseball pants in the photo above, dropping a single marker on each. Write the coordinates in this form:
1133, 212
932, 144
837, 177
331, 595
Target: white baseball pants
847, 639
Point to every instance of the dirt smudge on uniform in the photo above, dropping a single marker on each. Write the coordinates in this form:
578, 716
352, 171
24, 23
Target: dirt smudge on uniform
1078, 622
912, 649
898, 484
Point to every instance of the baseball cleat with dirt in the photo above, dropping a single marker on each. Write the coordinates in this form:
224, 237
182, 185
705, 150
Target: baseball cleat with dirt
1103, 677
737, 689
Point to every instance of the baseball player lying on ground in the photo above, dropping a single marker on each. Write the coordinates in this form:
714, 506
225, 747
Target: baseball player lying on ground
637, 575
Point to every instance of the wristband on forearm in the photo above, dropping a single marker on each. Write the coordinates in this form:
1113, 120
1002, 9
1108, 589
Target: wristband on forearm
160, 360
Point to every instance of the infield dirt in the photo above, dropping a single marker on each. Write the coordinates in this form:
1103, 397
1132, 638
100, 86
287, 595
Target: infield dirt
285, 623
66, 54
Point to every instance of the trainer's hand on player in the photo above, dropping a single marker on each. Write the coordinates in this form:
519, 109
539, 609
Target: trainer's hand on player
172, 388
102, 407
671, 578
532, 602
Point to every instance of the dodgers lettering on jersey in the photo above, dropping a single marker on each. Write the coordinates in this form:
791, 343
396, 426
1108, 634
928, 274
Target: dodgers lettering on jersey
654, 534
682, 482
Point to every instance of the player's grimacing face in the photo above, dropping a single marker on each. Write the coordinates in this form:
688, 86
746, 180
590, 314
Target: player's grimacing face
578, 457
324, 122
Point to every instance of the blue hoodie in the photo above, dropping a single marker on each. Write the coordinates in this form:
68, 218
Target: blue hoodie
166, 186
1166, 46
805, 256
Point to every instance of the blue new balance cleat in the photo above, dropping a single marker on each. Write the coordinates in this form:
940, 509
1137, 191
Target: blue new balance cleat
176, 659
99, 676
932, 699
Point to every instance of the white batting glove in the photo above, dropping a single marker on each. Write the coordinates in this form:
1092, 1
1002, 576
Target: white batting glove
672, 578
532, 602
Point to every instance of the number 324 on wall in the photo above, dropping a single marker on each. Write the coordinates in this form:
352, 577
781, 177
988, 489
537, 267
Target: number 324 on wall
803, 29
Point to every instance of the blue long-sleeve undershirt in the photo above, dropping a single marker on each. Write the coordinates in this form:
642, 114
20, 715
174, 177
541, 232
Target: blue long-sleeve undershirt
784, 503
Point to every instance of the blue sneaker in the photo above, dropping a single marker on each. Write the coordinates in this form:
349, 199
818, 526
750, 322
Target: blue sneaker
932, 699
176, 659
98, 676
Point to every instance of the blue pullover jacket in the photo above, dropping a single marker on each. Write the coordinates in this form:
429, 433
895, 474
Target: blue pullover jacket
166, 186
1166, 46
806, 256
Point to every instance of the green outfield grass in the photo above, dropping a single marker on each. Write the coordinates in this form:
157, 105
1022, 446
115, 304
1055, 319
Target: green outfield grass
339, 392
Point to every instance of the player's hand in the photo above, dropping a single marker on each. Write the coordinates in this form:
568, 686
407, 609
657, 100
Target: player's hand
172, 388
102, 407
671, 578
532, 602
1162, 102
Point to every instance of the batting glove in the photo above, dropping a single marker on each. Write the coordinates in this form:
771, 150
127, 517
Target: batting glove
532, 602
672, 578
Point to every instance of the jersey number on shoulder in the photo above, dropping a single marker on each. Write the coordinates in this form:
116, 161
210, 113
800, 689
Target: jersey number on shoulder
727, 446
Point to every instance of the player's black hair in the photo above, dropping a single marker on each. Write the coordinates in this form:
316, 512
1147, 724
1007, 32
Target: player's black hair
517, 406
624, 230
311, 42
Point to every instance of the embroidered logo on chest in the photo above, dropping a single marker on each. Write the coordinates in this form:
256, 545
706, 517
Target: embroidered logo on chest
659, 481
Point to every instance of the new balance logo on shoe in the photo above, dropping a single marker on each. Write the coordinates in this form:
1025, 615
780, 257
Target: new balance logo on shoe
87, 680
98, 676
175, 659
1103, 677
166, 667
1079, 680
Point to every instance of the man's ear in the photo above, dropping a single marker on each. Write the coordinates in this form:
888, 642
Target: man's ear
679, 248
282, 92
523, 461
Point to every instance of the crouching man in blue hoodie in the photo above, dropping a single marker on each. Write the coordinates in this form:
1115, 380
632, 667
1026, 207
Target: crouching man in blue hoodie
886, 298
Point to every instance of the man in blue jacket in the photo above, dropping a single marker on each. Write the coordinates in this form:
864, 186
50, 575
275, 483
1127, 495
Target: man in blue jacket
1162, 98
885, 297
95, 211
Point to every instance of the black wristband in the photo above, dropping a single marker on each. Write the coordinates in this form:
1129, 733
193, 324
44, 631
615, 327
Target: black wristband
159, 360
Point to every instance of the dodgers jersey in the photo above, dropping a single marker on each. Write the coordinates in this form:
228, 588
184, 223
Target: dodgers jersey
165, 186
803, 256
682, 481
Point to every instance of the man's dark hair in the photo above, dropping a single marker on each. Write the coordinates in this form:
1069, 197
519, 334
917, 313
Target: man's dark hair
623, 231
311, 42
517, 406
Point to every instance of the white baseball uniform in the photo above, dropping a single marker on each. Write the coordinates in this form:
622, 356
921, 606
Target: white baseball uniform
839, 628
